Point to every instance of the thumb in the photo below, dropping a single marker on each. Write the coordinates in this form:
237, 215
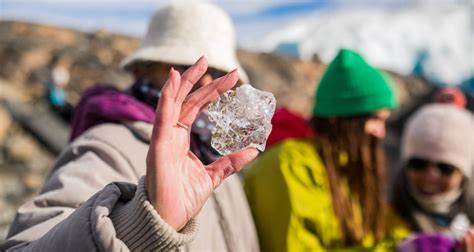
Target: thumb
230, 164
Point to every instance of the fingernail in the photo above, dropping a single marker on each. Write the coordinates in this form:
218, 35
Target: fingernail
231, 72
200, 58
176, 73
234, 72
255, 152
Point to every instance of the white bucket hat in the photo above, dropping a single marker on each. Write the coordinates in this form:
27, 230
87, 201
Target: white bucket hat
181, 33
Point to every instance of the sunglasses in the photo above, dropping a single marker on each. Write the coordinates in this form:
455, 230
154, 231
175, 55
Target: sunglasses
421, 165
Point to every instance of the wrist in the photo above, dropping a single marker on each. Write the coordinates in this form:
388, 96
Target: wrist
172, 218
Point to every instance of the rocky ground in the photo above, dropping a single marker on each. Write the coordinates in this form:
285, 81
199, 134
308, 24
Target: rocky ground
28, 52
24, 162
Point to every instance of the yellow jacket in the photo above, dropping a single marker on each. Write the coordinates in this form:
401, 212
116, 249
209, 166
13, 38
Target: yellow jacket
290, 198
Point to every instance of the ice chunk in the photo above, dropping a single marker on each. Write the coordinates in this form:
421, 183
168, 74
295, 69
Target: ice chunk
242, 118
460, 226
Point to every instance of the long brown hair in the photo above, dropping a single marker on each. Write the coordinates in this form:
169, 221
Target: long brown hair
364, 170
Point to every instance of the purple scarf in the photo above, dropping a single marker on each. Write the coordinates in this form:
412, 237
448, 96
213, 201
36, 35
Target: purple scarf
105, 104
101, 104
427, 243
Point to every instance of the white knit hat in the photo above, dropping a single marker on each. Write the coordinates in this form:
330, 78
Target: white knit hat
441, 133
181, 33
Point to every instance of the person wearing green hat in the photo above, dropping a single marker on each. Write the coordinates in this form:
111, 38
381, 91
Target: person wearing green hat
327, 192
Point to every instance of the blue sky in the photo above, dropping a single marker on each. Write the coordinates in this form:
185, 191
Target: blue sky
252, 18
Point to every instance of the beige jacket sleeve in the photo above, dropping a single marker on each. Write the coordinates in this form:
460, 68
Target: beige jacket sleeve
91, 202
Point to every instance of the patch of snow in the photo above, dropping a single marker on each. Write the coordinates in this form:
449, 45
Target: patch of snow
437, 40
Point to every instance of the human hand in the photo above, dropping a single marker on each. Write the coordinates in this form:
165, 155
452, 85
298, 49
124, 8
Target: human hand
467, 243
177, 182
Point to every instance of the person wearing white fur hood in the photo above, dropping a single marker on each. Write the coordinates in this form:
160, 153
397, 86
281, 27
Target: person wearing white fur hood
435, 185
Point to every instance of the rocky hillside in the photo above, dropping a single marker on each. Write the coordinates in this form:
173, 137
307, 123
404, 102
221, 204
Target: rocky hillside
29, 51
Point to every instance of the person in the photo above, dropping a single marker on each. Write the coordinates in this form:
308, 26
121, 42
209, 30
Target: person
435, 184
55, 90
327, 192
288, 124
131, 180
451, 95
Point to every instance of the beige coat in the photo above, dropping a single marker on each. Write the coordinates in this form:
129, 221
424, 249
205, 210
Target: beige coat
91, 202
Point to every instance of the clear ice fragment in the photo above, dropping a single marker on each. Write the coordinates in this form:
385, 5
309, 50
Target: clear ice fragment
460, 226
242, 118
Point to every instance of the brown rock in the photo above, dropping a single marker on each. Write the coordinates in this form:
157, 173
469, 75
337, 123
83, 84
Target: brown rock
125, 46
106, 57
34, 59
33, 181
11, 92
21, 148
5, 123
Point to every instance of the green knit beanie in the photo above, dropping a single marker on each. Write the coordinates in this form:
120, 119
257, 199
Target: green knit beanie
351, 87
